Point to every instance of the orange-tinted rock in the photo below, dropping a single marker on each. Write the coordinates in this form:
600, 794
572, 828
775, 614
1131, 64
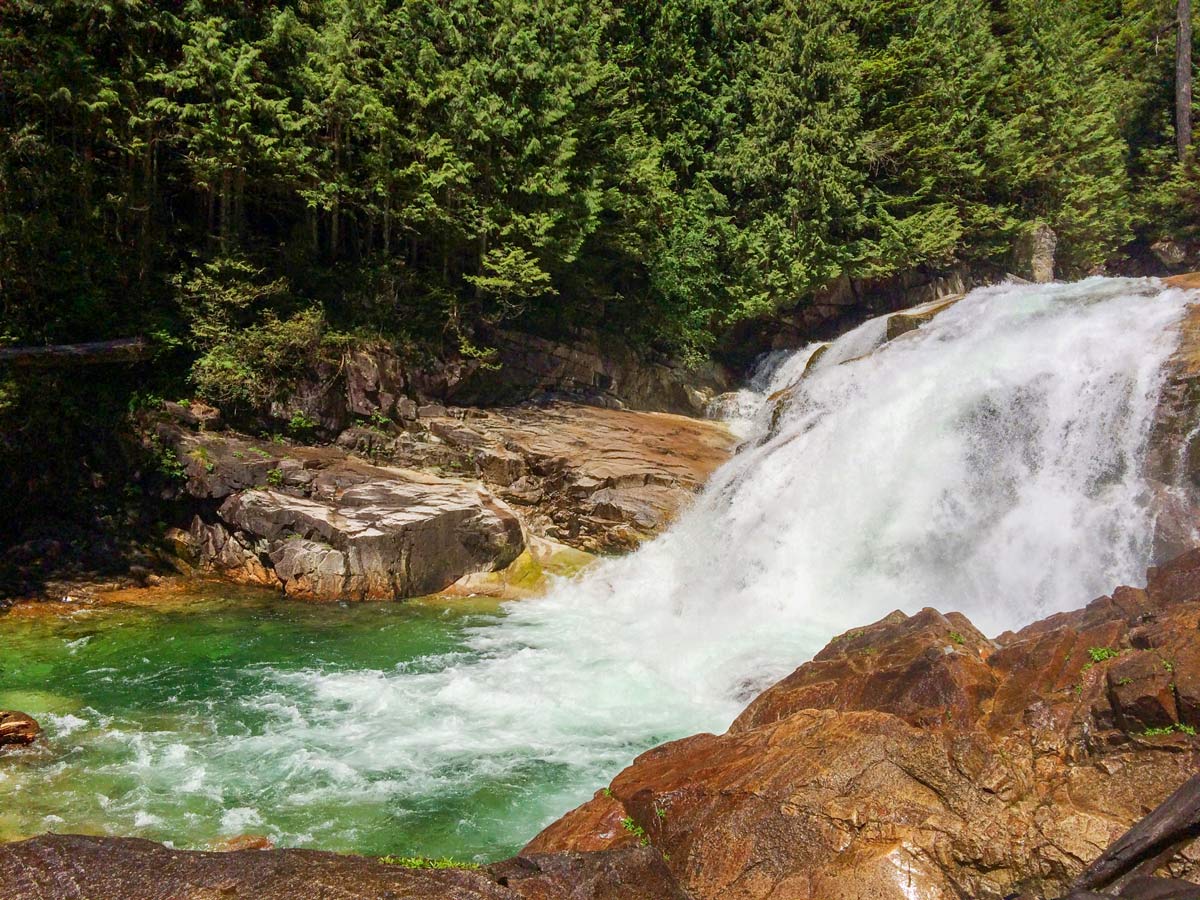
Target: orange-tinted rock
598, 827
1142, 692
631, 873
17, 729
914, 758
244, 842
596, 479
1187, 280
928, 669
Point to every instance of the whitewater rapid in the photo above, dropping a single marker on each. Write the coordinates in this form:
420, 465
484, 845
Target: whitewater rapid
990, 462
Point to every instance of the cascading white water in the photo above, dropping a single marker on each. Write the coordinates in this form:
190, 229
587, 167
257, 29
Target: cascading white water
990, 462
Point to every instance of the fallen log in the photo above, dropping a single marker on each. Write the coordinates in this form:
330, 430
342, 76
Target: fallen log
121, 350
1144, 848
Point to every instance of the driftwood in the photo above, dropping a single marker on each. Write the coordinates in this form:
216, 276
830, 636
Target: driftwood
1124, 869
122, 350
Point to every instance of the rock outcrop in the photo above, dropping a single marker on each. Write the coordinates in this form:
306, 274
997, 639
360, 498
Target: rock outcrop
599, 480
377, 379
896, 325
324, 525
445, 495
842, 305
916, 758
1033, 255
1173, 461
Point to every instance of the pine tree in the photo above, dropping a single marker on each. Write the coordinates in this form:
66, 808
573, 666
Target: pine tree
1066, 159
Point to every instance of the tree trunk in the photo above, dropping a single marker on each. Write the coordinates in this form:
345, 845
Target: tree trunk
1183, 79
122, 350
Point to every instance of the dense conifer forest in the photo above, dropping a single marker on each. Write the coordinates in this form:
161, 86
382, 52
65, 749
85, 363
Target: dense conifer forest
250, 185
248, 177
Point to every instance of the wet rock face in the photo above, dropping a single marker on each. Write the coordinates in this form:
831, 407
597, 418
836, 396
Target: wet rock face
324, 523
73, 867
914, 757
927, 669
1033, 256
17, 729
1173, 464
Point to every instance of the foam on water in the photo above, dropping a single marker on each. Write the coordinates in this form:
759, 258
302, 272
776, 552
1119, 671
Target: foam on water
990, 462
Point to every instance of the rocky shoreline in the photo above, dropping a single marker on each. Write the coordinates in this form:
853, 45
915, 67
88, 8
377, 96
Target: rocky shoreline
459, 500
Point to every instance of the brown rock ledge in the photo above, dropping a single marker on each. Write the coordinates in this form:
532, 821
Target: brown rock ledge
75, 867
914, 758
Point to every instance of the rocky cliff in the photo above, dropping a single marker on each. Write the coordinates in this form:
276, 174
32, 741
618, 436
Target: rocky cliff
916, 758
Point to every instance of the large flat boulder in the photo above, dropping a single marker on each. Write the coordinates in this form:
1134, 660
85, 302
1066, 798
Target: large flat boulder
324, 525
400, 509
383, 539
599, 480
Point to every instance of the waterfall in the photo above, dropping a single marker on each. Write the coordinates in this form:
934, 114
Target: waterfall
990, 462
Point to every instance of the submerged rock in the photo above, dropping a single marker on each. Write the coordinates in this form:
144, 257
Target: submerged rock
17, 729
914, 757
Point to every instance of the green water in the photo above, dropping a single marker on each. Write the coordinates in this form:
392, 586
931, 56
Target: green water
218, 715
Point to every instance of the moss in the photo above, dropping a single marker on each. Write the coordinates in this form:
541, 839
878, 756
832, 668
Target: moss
563, 561
427, 862
1170, 729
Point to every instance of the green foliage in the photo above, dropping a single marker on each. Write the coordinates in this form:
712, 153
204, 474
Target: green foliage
957, 638
200, 454
251, 184
427, 862
275, 477
1170, 729
301, 425
1101, 654
167, 460
636, 830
